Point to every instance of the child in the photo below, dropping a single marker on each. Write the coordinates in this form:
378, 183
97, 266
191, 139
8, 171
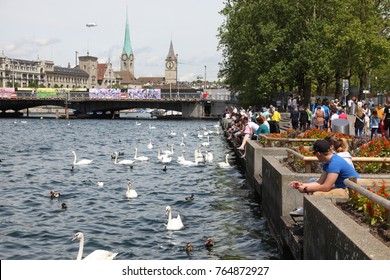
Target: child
374, 124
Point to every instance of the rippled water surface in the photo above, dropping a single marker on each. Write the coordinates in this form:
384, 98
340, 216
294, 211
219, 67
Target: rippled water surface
36, 158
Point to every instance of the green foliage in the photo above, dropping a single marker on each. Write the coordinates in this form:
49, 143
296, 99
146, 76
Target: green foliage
269, 45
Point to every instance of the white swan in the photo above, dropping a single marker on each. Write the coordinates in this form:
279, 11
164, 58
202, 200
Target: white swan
99, 184
131, 193
141, 158
199, 156
185, 162
208, 157
137, 123
204, 144
122, 162
150, 145
168, 152
80, 162
163, 157
173, 223
182, 142
172, 133
181, 157
151, 127
200, 135
224, 164
95, 255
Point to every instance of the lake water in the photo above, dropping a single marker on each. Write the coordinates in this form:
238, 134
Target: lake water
36, 158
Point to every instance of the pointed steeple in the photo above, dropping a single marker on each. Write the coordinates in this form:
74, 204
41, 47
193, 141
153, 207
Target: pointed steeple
171, 54
127, 43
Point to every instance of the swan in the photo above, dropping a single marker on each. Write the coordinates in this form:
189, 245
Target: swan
100, 184
204, 144
81, 162
54, 194
137, 123
185, 162
224, 164
141, 158
216, 125
95, 255
150, 145
151, 127
182, 142
198, 156
173, 223
122, 162
168, 152
166, 158
180, 158
172, 133
131, 193
208, 156
200, 135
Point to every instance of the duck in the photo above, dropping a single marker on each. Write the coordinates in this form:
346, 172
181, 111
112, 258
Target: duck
190, 198
188, 247
131, 193
209, 243
224, 164
80, 162
164, 168
95, 255
140, 158
64, 206
54, 194
173, 223
123, 161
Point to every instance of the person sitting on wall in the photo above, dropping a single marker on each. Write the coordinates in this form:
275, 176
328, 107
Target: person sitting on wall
335, 171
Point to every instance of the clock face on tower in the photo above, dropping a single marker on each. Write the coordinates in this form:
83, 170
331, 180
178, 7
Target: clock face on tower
124, 56
169, 64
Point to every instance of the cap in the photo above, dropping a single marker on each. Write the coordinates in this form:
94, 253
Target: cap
321, 146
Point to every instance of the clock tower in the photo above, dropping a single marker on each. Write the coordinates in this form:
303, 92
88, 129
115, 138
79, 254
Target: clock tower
127, 56
171, 66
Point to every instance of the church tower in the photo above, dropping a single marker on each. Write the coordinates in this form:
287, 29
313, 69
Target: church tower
127, 57
171, 66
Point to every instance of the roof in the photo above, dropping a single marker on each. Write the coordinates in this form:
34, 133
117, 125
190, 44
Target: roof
127, 77
69, 71
151, 80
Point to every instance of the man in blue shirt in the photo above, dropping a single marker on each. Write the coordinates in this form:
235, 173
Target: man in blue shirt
335, 170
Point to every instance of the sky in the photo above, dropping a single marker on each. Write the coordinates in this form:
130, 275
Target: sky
55, 30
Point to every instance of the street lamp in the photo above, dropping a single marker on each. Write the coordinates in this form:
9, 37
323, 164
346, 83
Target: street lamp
177, 74
205, 80
89, 25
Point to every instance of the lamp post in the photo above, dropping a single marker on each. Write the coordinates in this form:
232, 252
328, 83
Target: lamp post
89, 25
205, 79
177, 74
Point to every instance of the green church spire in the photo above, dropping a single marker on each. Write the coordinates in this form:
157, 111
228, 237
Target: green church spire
127, 44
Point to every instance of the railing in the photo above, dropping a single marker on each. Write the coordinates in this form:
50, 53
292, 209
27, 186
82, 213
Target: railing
270, 141
356, 185
308, 160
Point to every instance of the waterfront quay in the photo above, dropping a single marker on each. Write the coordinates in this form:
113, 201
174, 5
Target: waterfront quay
324, 232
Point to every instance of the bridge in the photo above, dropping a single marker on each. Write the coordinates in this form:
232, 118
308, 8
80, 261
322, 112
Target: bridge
190, 107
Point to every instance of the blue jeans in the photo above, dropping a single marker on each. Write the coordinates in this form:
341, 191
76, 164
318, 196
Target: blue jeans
358, 131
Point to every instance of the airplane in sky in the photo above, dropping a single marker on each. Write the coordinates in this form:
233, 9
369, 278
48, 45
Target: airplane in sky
91, 24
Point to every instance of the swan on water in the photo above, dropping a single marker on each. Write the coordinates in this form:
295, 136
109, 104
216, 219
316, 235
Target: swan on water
124, 161
182, 142
208, 157
99, 184
95, 255
181, 160
80, 162
151, 127
150, 145
168, 152
224, 164
140, 158
173, 223
199, 156
204, 144
131, 193
137, 123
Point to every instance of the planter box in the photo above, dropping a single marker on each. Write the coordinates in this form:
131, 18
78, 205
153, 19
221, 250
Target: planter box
329, 234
